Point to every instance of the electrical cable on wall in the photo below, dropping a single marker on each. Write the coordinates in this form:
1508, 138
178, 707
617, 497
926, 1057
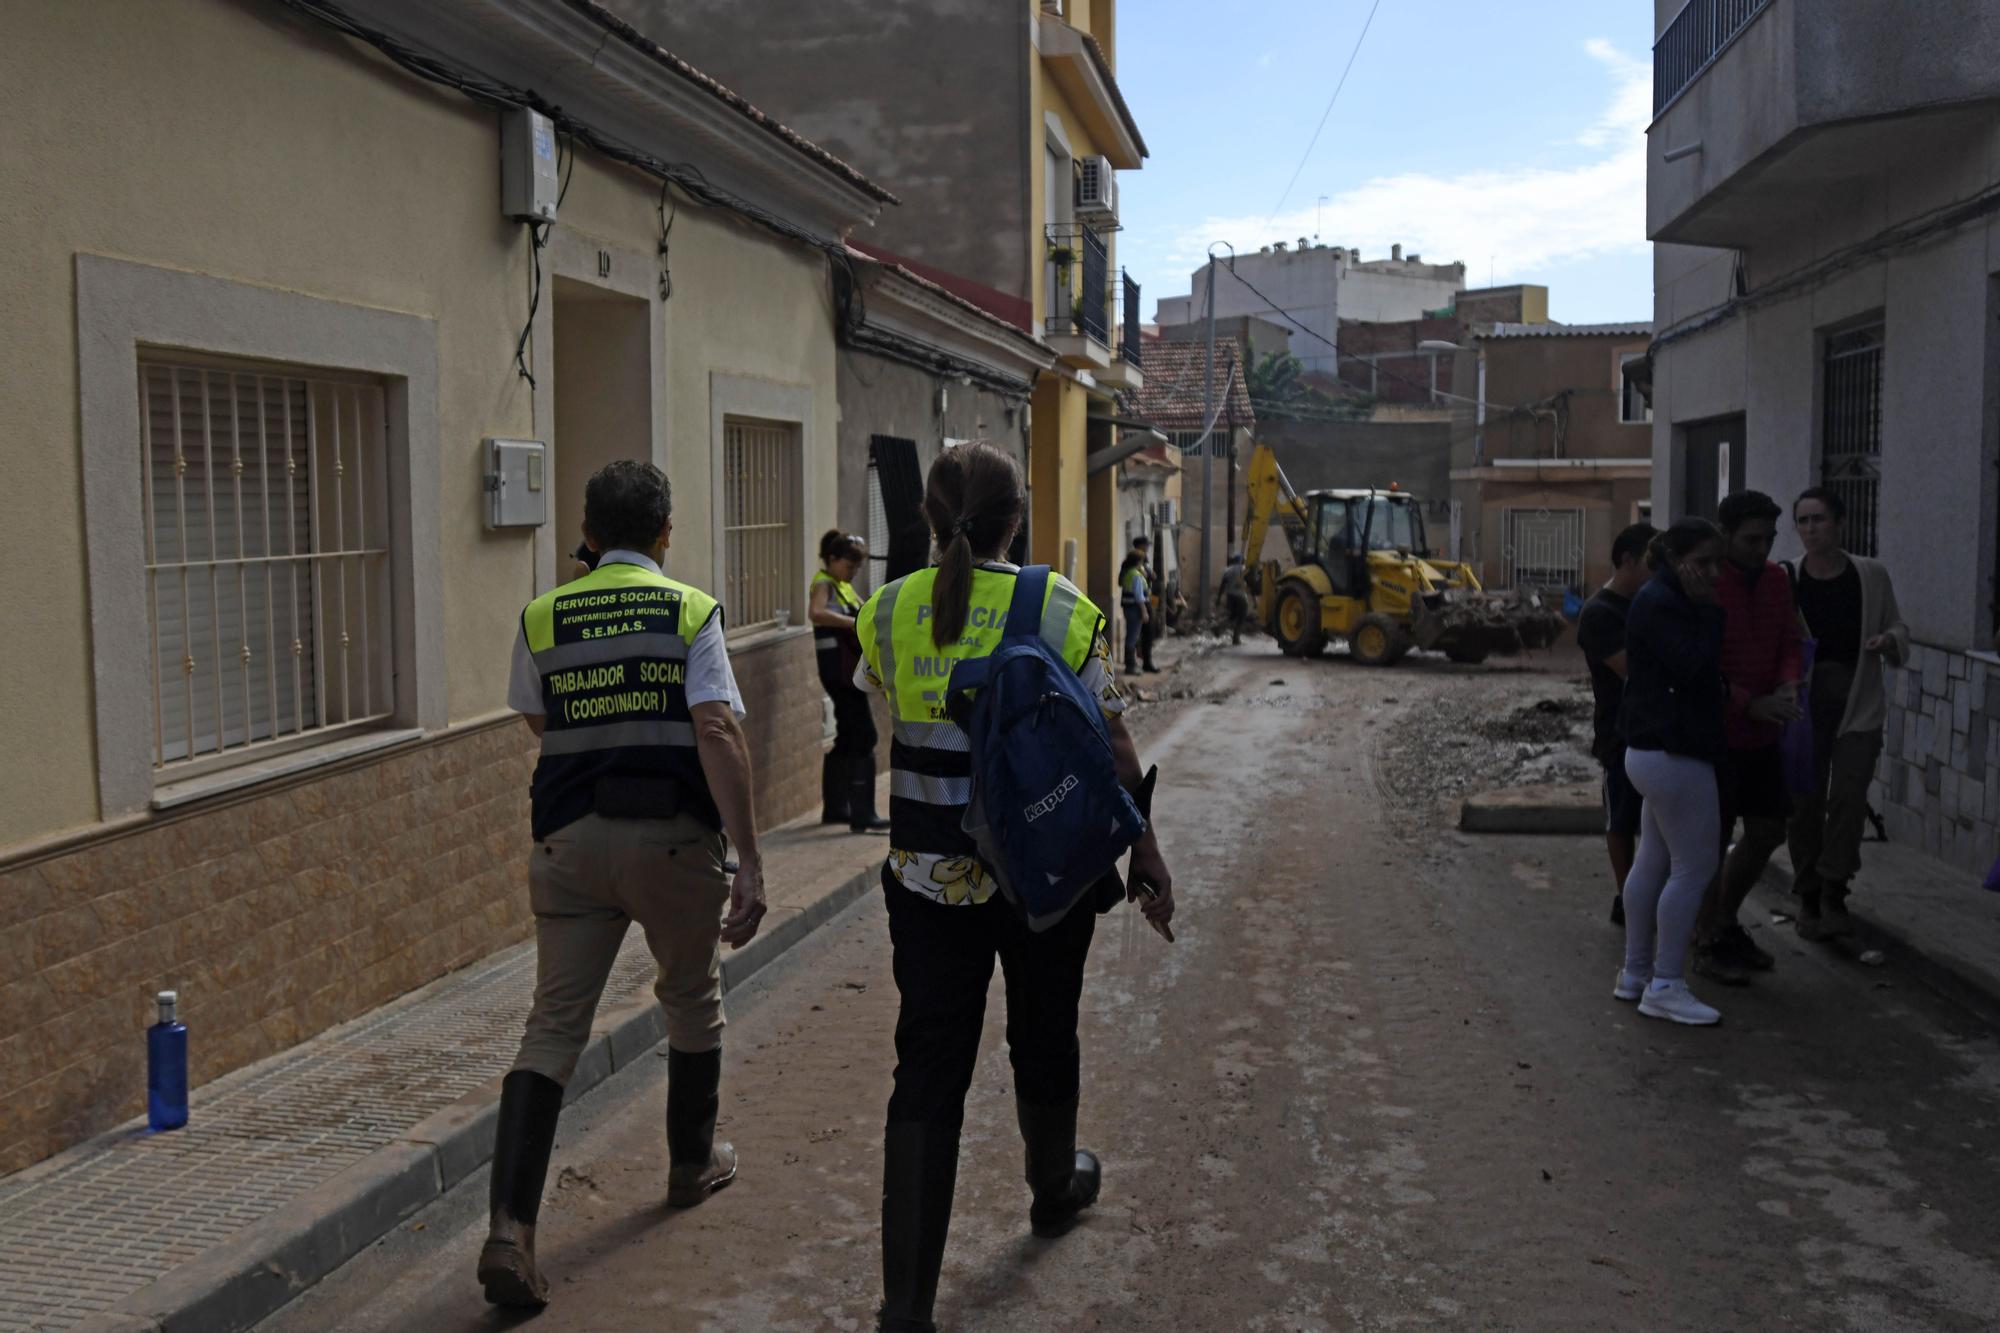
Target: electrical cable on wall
666, 237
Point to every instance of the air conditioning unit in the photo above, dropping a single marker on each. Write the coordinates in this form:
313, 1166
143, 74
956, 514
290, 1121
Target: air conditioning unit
1096, 191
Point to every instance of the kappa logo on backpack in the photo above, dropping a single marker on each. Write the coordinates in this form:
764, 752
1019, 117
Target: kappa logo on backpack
1048, 813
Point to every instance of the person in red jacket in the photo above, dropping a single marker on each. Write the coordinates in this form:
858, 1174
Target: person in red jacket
1762, 662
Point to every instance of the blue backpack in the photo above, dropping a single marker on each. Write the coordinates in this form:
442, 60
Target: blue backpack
1048, 814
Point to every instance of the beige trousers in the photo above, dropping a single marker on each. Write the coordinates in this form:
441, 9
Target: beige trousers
590, 880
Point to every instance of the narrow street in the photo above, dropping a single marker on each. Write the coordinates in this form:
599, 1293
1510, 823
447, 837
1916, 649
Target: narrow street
1379, 1082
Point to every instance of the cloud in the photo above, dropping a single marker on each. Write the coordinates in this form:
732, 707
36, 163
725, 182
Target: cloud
1525, 218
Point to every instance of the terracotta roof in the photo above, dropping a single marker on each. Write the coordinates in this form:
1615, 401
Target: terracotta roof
909, 272
1011, 310
1103, 64
646, 46
1171, 397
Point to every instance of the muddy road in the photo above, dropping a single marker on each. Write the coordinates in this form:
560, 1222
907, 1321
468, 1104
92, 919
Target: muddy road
1380, 1082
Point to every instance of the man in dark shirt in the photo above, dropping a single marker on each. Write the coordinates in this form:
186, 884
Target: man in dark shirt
1600, 632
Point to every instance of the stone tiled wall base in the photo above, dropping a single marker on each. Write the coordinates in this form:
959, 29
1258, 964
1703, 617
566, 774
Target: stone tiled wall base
1938, 784
276, 916
779, 679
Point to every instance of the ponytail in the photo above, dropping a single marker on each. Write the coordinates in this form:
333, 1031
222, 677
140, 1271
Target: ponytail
1686, 535
973, 503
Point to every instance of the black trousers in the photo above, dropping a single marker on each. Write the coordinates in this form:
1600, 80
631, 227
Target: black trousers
854, 723
943, 959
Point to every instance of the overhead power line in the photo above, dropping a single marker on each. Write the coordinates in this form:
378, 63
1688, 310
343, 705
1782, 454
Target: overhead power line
1307, 157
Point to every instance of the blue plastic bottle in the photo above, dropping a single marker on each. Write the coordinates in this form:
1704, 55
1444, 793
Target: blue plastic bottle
167, 1068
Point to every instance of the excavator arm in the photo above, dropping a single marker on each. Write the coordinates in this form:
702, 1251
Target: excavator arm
1266, 488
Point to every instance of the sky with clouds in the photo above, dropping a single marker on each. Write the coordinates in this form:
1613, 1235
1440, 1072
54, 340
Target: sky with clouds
1507, 135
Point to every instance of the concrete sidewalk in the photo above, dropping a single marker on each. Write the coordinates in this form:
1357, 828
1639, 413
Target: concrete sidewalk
1936, 918
291, 1166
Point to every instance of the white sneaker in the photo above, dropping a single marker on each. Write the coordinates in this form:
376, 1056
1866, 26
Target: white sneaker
1673, 1001
1630, 985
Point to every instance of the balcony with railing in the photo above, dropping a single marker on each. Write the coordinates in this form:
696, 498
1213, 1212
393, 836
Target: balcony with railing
1127, 369
1077, 312
1697, 35
1760, 104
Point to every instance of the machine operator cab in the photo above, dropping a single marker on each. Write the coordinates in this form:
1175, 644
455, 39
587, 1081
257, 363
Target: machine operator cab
1347, 524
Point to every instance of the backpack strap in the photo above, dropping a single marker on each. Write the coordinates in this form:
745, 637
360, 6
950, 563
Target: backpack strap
1024, 615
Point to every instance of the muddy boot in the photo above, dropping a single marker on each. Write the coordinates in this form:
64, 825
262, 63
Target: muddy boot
919, 1173
529, 1106
1811, 921
1833, 910
699, 1165
1065, 1178
861, 796
833, 789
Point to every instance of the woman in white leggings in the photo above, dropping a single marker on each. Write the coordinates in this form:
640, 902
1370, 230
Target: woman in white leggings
1673, 724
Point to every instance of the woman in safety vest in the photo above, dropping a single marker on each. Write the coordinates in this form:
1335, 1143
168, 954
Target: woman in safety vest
847, 773
946, 922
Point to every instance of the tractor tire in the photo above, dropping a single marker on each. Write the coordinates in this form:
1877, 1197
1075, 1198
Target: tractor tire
1296, 625
1377, 641
1467, 654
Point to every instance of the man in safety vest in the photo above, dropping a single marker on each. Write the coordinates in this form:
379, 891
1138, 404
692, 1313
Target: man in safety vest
623, 675
1135, 600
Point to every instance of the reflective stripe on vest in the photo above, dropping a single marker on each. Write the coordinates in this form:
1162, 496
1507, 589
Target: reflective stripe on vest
612, 649
930, 758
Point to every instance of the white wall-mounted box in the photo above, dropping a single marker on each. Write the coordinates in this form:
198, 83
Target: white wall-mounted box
516, 483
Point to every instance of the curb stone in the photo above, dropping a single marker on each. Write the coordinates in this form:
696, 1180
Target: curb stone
251, 1276
1539, 810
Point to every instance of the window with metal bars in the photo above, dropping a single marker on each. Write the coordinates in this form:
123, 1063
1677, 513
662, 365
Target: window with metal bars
267, 561
763, 516
1851, 429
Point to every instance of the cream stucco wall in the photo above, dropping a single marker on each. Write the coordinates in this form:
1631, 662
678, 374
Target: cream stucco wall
243, 144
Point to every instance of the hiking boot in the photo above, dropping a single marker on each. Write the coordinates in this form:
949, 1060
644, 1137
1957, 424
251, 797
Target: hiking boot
1706, 963
1629, 986
1833, 911
1810, 922
699, 1165
1617, 909
1674, 1002
1734, 946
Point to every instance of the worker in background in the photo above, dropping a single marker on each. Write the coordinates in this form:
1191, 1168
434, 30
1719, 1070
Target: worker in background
1600, 632
1235, 598
624, 677
1134, 598
847, 772
1761, 659
946, 923
1849, 607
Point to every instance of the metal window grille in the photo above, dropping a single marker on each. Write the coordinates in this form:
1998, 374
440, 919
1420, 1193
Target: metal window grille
1851, 430
1691, 43
878, 534
762, 516
1131, 345
1079, 283
1544, 550
267, 560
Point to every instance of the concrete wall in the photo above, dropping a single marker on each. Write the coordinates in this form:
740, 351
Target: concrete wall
324, 181
1522, 372
866, 81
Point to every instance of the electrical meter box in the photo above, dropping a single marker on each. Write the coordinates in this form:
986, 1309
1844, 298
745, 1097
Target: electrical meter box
528, 184
516, 483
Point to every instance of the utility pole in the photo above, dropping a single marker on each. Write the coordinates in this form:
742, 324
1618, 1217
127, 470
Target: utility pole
1207, 446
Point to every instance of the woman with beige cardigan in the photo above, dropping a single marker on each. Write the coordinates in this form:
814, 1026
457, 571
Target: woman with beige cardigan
1848, 605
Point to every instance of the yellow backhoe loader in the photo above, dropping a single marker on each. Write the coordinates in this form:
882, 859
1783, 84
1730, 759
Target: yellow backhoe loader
1361, 569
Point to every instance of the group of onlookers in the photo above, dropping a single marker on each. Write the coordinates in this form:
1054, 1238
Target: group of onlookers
1702, 654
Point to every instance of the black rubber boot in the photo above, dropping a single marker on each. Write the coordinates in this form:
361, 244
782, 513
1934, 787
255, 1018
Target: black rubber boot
919, 1174
1065, 1178
530, 1104
697, 1165
833, 792
861, 796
